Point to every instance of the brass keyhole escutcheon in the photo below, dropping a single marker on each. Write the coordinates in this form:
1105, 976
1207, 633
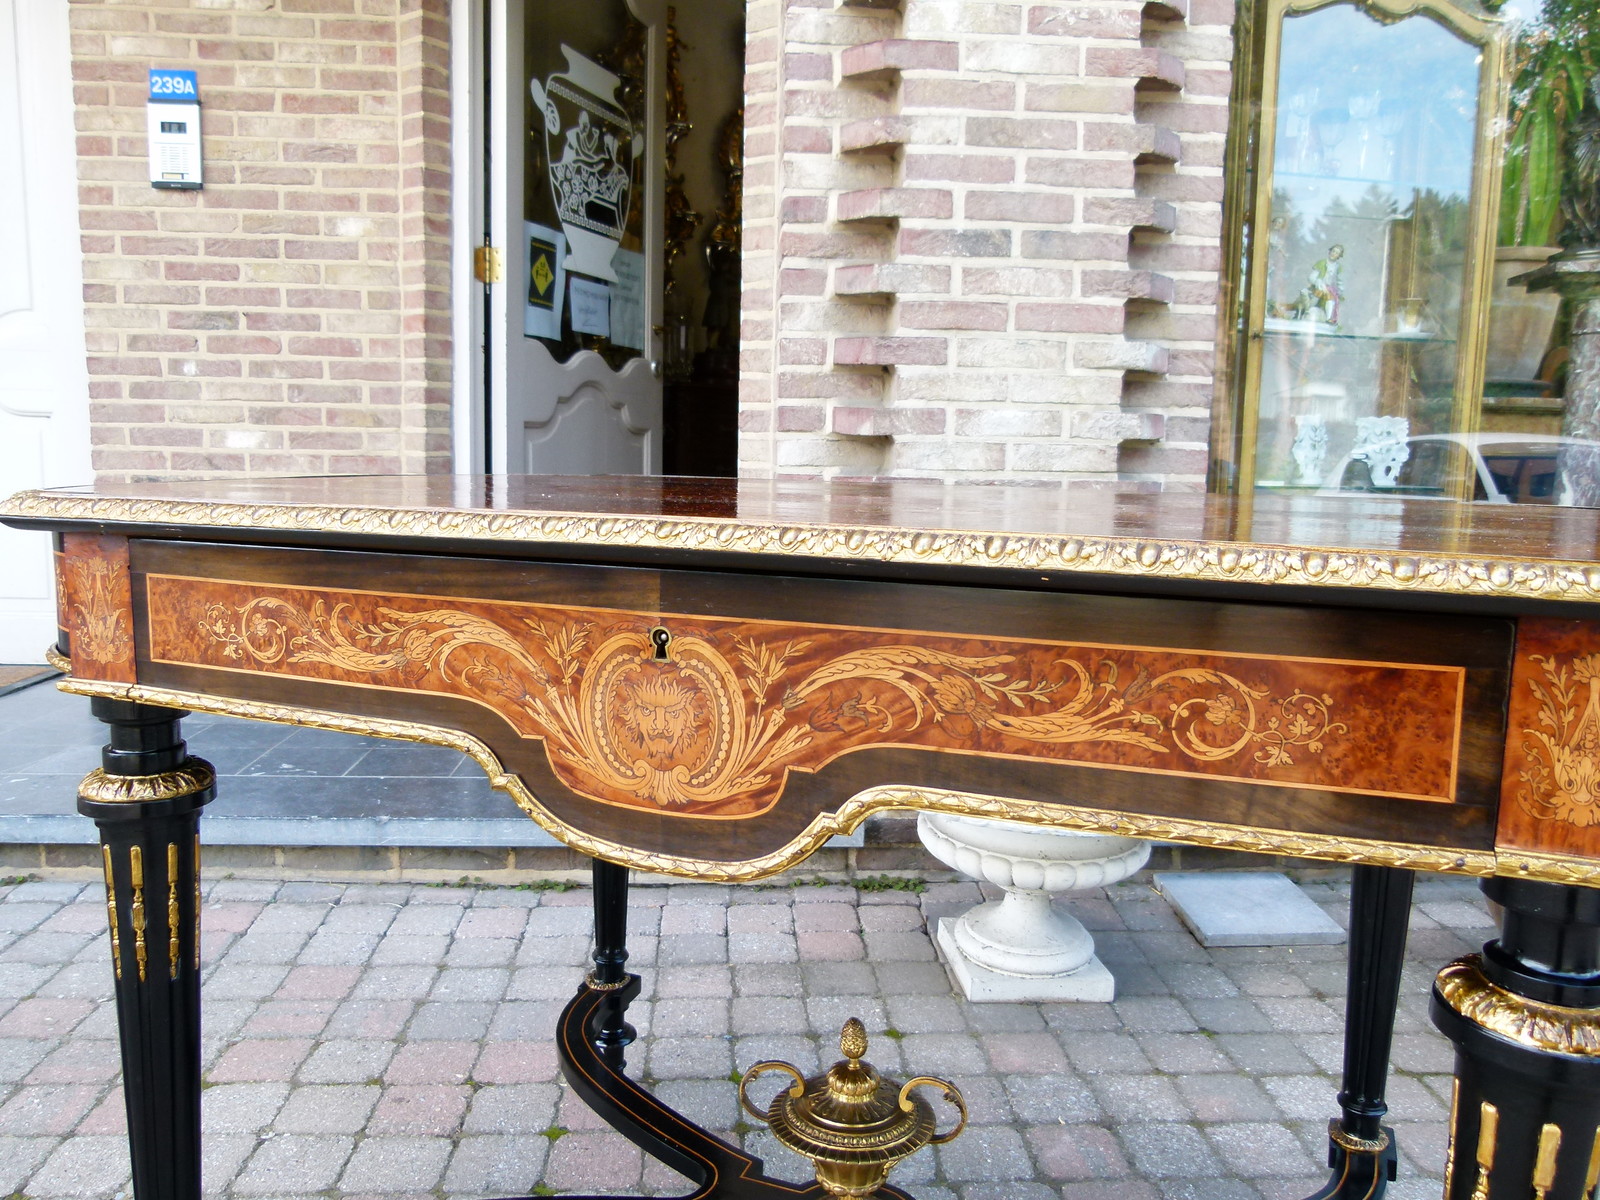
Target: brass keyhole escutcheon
660, 638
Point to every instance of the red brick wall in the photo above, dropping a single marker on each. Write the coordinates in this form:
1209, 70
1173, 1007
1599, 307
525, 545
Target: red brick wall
293, 316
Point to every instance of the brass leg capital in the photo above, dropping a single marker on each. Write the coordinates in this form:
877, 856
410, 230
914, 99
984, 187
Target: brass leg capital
194, 776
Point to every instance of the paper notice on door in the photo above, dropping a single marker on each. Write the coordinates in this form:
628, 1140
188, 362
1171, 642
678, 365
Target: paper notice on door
627, 299
547, 276
591, 306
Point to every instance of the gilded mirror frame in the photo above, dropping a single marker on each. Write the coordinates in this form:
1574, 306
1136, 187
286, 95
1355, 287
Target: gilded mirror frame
1249, 173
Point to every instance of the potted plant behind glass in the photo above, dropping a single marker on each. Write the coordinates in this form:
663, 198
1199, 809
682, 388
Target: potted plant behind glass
1553, 62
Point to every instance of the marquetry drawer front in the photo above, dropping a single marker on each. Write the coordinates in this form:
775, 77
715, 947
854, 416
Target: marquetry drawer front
656, 699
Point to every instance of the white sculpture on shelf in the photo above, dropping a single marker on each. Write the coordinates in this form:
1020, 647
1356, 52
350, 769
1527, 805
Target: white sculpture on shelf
1310, 448
1382, 443
1022, 947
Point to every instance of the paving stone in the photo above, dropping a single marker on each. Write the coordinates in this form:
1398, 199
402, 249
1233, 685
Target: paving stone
763, 947
985, 1152
512, 1108
260, 1060
328, 1108
838, 979
51, 947
109, 1117
1264, 1053
1226, 1098
241, 1107
482, 952
83, 1166
1120, 1189
1053, 1100
79, 1060
289, 1018
598, 1161
1183, 1053
451, 1021
493, 1164
517, 1062
1073, 1152
44, 1018
420, 1109
432, 1062
400, 949
1256, 1149
1168, 1151
689, 1057
19, 1156
221, 1157
353, 1061
362, 1019
46, 1110
763, 1014
396, 1164
1105, 1053
318, 983
1023, 1053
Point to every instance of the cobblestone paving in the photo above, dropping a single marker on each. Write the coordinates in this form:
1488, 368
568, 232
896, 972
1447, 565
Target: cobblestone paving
393, 1041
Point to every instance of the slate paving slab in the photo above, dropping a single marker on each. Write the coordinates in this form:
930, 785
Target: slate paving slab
390, 1041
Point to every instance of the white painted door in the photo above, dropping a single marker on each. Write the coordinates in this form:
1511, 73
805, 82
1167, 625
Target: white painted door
576, 185
44, 387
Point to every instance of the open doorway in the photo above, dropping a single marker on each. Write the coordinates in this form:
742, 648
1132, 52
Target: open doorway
613, 192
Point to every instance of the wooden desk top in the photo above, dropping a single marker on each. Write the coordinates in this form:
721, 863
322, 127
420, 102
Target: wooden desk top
711, 677
1517, 553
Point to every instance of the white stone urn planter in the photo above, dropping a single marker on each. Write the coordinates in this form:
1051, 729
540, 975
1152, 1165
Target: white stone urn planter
1022, 947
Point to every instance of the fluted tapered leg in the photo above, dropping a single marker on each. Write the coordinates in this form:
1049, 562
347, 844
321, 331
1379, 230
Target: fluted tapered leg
146, 798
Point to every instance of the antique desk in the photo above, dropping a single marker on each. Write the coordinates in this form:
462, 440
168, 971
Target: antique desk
710, 677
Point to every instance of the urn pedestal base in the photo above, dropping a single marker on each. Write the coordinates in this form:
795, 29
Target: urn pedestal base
1090, 982
1021, 947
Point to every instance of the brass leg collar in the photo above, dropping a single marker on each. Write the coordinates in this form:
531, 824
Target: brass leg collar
58, 660
1549, 1028
1354, 1144
594, 985
194, 776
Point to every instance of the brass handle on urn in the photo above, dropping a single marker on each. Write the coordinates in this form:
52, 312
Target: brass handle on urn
951, 1094
760, 1068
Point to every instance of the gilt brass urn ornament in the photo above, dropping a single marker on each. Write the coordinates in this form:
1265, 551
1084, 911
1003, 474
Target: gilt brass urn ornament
853, 1124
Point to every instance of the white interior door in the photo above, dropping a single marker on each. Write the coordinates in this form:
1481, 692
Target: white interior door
44, 387
576, 186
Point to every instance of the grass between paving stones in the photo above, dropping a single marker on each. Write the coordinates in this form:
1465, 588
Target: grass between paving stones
532, 885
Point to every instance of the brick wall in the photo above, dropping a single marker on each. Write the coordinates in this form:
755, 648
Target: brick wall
293, 316
982, 238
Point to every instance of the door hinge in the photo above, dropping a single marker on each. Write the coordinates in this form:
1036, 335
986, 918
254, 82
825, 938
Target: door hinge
486, 264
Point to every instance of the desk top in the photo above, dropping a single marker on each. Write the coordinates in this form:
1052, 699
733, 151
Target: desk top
711, 676
1440, 548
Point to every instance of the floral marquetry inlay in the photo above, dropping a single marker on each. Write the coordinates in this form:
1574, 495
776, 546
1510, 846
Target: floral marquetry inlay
707, 716
94, 606
1551, 782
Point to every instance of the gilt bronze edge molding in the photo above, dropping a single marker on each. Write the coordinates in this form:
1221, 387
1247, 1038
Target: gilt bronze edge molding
849, 814
1548, 1028
98, 786
1104, 555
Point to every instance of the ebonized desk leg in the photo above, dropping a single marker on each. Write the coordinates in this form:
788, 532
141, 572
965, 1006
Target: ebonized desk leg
1525, 1019
1361, 1150
146, 798
612, 1033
